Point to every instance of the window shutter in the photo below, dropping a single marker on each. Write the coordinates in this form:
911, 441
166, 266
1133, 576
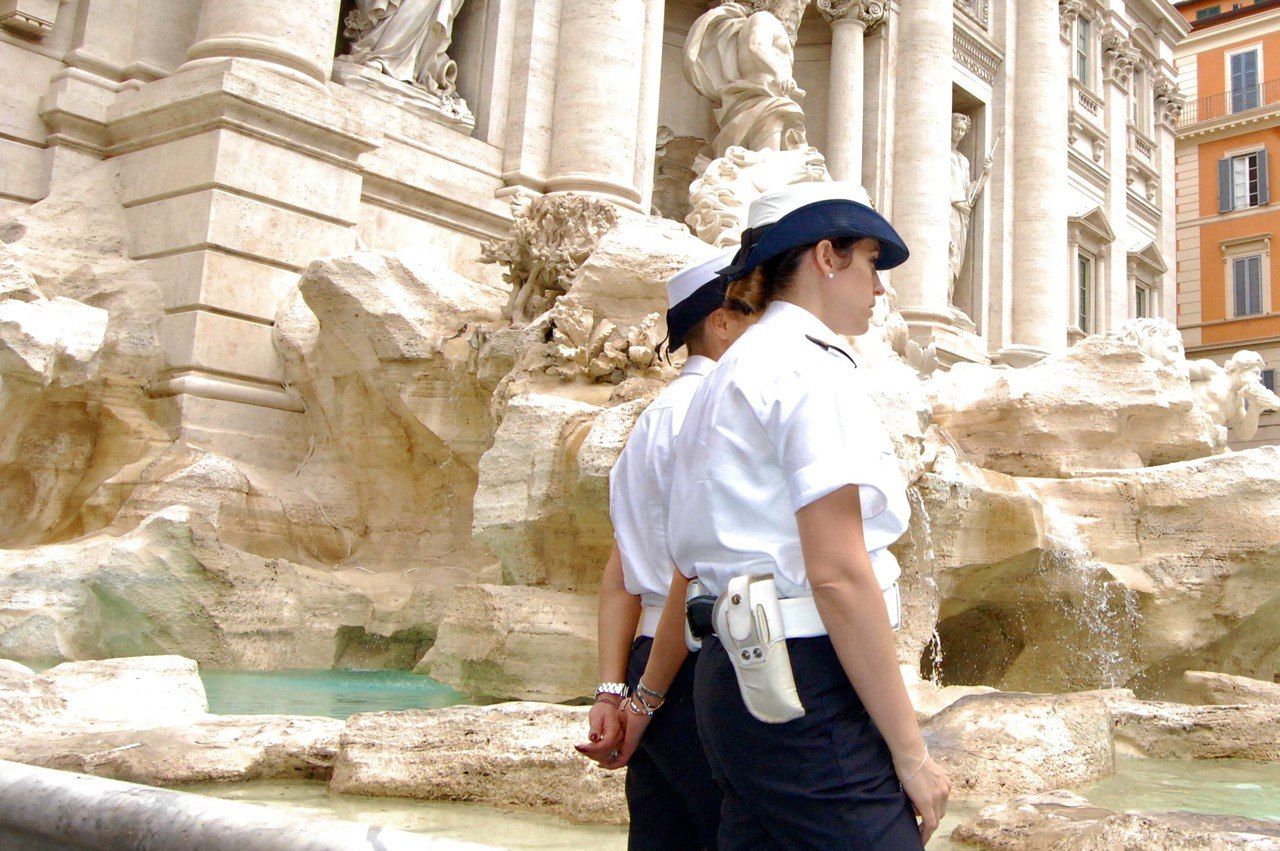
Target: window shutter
1255, 285
1263, 182
1239, 285
1224, 185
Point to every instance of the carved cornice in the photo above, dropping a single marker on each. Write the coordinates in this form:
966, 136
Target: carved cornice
976, 57
870, 13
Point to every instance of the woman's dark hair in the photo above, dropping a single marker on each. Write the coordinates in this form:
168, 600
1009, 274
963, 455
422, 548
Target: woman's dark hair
770, 279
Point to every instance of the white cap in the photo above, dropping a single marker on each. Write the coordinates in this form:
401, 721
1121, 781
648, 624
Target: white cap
688, 281
776, 203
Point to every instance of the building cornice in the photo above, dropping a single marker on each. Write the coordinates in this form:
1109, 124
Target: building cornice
1229, 32
1230, 125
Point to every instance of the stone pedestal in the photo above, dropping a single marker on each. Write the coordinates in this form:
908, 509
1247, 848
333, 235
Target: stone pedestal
597, 113
237, 171
1040, 267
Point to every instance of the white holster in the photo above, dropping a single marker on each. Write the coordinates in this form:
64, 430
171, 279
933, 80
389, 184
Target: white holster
748, 622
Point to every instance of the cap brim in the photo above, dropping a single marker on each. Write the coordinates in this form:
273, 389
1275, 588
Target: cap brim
821, 220
686, 315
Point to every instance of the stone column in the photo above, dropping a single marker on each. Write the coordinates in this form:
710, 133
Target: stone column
921, 166
1040, 266
1113, 285
597, 113
850, 20
236, 172
295, 38
1169, 104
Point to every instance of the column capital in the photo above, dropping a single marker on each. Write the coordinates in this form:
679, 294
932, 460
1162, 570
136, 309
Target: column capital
869, 13
1169, 101
1069, 10
1119, 57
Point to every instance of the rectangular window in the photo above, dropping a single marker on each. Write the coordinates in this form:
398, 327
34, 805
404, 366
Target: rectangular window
1245, 90
1136, 89
1243, 181
1141, 302
1246, 281
1082, 52
1084, 292
1208, 12
1269, 379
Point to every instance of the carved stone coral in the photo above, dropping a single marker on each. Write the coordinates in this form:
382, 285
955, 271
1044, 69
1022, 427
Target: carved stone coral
551, 236
586, 347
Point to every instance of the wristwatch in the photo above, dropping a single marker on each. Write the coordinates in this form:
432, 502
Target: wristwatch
619, 689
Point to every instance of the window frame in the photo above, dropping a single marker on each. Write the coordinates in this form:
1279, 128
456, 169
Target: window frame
1271, 372
1235, 264
1228, 57
1083, 25
1085, 289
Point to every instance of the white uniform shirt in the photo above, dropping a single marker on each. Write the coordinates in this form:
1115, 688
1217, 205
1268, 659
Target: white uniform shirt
781, 422
640, 484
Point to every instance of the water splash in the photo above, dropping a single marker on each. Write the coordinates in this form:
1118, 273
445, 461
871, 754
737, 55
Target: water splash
1088, 593
930, 557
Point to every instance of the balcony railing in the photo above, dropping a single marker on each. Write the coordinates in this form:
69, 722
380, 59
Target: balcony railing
1234, 102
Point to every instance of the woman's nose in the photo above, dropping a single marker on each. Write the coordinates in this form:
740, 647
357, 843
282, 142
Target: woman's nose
879, 287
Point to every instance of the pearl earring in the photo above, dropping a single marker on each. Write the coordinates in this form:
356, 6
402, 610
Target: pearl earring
831, 274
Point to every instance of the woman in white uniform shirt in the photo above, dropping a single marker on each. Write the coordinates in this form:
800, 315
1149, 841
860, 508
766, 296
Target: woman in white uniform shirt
784, 467
672, 799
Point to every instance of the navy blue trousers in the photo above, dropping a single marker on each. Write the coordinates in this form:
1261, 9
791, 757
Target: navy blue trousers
673, 801
822, 781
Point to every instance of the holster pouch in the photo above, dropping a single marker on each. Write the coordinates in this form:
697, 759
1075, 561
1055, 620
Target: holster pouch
698, 605
748, 622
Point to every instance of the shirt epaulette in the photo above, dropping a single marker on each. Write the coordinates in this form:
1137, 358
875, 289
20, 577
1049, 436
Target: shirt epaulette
829, 348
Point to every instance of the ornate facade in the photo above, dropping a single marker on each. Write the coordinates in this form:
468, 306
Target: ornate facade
246, 152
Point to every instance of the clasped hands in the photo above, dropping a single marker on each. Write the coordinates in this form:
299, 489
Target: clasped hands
614, 735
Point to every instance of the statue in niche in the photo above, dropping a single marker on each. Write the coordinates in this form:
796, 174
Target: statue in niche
406, 40
741, 60
964, 194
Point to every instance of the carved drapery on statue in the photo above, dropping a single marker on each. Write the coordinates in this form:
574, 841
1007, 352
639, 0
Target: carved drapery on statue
402, 44
742, 61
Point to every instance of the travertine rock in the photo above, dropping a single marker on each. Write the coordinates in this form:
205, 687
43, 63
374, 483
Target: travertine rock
1061, 820
1070, 584
1000, 744
1228, 690
1179, 731
133, 692
225, 748
511, 754
1104, 404
508, 641
170, 586
929, 699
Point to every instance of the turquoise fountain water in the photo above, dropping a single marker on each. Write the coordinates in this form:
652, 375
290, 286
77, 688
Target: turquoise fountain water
335, 694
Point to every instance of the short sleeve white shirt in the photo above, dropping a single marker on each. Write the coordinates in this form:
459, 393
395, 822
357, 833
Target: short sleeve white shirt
640, 485
785, 419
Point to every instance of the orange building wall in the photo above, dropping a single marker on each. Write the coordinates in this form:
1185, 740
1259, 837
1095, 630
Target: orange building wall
1262, 221
1211, 74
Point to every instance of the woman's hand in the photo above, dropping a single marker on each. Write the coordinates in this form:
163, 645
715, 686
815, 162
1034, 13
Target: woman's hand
929, 788
608, 728
636, 723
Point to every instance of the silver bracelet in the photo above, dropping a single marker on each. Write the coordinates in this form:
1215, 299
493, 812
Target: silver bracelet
644, 689
909, 777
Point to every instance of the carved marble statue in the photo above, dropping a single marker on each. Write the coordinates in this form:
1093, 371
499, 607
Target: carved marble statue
742, 61
1234, 395
1157, 338
719, 199
964, 194
585, 347
407, 41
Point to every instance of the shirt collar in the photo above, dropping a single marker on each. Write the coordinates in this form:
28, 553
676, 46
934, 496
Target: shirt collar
697, 365
793, 317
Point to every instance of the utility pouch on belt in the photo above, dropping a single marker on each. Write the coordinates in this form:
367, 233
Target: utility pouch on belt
748, 622
697, 615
